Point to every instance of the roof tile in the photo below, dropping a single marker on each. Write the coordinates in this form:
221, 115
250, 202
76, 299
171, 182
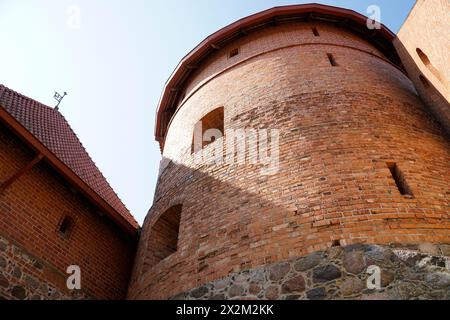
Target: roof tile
54, 132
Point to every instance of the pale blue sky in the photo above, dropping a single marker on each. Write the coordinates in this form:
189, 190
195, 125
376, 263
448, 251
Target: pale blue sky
114, 67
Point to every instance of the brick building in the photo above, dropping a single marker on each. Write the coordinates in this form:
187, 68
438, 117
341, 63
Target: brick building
423, 45
362, 179
348, 177
57, 210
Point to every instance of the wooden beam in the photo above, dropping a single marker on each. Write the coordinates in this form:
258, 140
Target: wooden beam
21, 172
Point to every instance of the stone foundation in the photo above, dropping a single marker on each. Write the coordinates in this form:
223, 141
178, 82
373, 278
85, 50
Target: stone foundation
25, 277
407, 272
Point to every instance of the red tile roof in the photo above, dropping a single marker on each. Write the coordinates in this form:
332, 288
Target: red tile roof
52, 130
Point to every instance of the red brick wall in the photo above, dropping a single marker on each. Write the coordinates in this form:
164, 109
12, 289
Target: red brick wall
273, 38
339, 128
426, 28
31, 211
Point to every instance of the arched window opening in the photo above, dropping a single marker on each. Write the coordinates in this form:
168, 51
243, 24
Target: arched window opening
208, 129
164, 236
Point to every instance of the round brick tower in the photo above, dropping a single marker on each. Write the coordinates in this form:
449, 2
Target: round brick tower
358, 175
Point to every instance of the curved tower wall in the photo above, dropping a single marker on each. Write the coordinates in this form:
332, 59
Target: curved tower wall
339, 129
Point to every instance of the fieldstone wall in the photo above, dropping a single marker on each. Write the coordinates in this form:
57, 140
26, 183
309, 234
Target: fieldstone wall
24, 277
407, 272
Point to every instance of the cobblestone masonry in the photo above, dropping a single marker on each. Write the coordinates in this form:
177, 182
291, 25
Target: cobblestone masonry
24, 277
407, 272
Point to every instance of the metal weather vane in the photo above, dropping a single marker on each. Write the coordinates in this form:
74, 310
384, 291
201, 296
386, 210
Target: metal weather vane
59, 98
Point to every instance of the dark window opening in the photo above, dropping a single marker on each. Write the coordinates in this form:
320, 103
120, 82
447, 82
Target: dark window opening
426, 61
233, 53
66, 226
423, 57
399, 179
332, 60
164, 236
336, 243
315, 32
214, 120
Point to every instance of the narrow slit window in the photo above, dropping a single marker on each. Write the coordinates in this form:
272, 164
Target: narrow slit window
332, 60
426, 61
233, 53
315, 32
66, 226
423, 57
399, 179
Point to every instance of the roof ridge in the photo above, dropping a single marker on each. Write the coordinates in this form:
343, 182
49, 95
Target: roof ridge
90, 157
81, 164
21, 95
2, 90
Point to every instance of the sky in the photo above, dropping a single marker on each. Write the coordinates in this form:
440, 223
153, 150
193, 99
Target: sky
113, 58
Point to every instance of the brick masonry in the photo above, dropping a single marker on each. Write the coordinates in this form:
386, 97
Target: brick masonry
24, 277
407, 272
229, 232
339, 128
426, 28
32, 209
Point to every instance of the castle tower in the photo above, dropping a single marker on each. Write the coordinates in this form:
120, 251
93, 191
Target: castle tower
355, 180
